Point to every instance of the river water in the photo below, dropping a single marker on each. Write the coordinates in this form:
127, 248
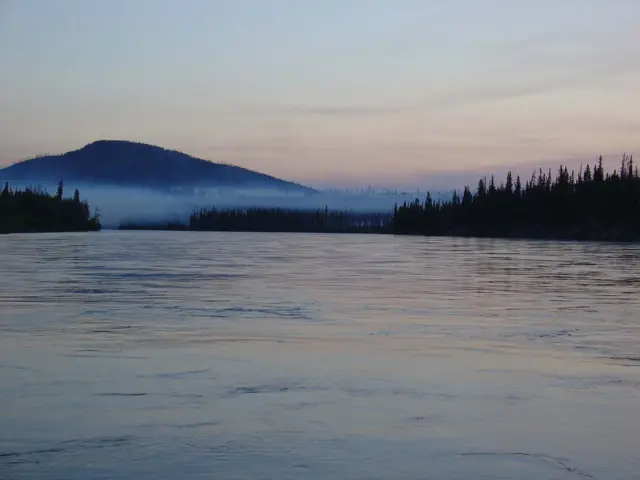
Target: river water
146, 355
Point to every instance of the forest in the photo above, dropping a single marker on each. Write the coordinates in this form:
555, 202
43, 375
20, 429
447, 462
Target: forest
32, 210
275, 220
588, 205
288, 220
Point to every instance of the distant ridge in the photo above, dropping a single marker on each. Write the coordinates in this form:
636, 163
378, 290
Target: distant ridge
124, 163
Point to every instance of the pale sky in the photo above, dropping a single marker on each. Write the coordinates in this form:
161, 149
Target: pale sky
315, 90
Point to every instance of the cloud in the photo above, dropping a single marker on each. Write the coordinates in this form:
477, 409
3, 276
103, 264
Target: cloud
583, 74
484, 93
450, 98
345, 110
445, 99
523, 75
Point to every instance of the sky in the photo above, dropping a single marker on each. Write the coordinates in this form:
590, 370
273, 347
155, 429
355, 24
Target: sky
331, 91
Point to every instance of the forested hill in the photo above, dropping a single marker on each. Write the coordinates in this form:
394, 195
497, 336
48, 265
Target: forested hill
587, 205
122, 163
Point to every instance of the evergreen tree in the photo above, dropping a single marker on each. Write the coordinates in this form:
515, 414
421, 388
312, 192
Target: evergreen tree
591, 205
509, 185
482, 190
492, 187
32, 210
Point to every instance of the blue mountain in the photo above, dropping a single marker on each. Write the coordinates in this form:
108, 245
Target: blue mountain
123, 163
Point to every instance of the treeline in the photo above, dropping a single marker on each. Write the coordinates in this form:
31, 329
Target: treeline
275, 220
287, 220
589, 204
33, 210
171, 226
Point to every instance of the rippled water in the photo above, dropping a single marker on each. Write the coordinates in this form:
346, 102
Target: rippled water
186, 355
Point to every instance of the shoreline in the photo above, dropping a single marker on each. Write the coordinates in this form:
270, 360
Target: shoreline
555, 237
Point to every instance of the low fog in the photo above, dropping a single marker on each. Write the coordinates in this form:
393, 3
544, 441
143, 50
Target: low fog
121, 205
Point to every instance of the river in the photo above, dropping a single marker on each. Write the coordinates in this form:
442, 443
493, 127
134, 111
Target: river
182, 355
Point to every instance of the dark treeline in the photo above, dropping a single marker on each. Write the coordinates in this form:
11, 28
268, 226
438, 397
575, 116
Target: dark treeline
32, 210
590, 204
276, 220
287, 220
172, 226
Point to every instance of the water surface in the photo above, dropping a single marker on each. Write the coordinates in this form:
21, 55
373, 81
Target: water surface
274, 356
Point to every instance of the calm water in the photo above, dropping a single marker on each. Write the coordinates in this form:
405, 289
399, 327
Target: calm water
266, 356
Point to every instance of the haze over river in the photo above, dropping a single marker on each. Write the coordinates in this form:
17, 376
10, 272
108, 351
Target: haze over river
146, 355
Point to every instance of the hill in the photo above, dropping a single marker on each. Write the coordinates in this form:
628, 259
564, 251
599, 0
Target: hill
123, 163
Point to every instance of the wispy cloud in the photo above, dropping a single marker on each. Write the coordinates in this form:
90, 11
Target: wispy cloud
523, 75
345, 110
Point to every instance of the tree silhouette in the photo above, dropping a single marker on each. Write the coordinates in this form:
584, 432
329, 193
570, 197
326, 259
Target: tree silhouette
589, 205
32, 210
285, 220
